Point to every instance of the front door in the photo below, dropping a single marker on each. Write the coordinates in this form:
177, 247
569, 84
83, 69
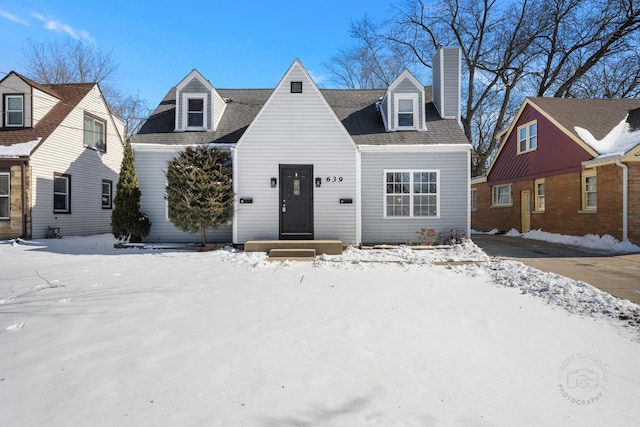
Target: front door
296, 202
525, 210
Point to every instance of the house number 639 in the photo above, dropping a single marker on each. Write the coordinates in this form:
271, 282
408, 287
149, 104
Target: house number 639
334, 179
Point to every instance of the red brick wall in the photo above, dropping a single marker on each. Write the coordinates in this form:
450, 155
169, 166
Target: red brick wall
563, 214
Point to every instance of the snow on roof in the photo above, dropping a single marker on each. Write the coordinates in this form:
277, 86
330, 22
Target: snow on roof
617, 142
22, 149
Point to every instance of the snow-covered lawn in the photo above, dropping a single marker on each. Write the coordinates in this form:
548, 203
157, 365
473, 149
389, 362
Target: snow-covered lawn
96, 336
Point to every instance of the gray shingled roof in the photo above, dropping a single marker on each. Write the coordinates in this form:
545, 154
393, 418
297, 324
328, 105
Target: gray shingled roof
598, 116
356, 109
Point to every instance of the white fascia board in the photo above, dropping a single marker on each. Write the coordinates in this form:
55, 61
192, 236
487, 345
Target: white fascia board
435, 148
138, 146
602, 160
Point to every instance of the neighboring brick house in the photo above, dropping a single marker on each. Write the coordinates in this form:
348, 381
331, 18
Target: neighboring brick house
568, 166
60, 155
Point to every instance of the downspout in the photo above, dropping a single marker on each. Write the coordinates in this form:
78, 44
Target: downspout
625, 200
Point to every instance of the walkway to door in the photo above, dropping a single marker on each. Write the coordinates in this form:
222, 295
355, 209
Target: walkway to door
617, 274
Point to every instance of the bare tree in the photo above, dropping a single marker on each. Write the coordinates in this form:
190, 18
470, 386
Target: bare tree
511, 50
73, 61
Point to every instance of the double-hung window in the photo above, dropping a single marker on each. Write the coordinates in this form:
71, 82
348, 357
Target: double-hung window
94, 133
5, 195
539, 195
411, 194
62, 193
107, 189
14, 111
406, 111
589, 190
501, 195
528, 137
195, 112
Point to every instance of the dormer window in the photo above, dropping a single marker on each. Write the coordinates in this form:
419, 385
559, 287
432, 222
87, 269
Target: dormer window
14, 111
406, 108
195, 112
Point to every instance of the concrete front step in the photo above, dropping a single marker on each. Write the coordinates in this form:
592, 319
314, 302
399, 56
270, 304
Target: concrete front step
329, 247
292, 254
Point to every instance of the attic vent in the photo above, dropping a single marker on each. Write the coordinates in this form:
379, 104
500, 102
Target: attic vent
296, 87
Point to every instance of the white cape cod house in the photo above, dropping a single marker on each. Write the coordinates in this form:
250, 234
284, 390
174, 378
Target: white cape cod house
360, 166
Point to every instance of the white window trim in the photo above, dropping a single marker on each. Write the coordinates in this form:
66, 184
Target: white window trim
587, 174
8, 195
526, 127
185, 110
416, 111
493, 195
411, 193
7, 111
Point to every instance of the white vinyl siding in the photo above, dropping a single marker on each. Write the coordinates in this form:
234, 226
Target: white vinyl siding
64, 152
453, 176
151, 166
296, 128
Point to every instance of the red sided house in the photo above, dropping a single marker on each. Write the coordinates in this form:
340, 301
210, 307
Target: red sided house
568, 166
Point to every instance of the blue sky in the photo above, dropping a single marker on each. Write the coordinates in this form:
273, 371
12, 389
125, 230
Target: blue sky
235, 44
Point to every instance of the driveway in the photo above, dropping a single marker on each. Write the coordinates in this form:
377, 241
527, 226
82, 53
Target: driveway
617, 274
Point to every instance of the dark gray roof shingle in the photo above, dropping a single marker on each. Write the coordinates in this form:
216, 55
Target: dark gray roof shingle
356, 109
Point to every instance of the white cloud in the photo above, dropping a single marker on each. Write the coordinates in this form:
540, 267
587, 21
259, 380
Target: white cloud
59, 27
13, 18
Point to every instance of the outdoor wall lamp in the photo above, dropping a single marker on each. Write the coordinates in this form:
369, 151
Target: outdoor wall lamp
274, 182
318, 181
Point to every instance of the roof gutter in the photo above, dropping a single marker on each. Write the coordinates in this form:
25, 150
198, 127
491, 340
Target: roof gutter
625, 200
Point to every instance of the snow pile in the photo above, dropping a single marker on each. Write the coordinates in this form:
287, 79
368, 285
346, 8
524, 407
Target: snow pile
23, 149
617, 142
605, 243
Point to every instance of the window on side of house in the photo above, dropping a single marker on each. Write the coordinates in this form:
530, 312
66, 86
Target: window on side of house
61, 193
474, 200
411, 194
14, 111
539, 195
589, 190
406, 111
501, 195
5, 195
107, 189
94, 133
528, 137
